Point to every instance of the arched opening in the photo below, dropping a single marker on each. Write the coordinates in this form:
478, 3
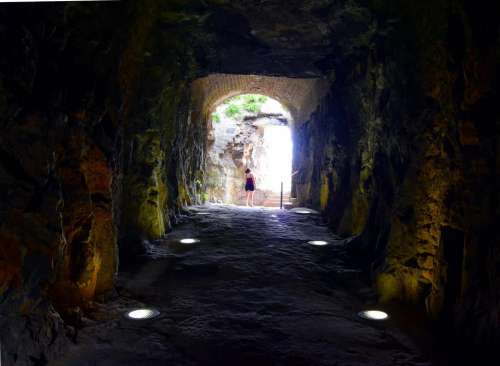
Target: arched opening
298, 98
249, 131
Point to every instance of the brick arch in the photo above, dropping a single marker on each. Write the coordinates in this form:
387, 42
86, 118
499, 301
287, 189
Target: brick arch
299, 96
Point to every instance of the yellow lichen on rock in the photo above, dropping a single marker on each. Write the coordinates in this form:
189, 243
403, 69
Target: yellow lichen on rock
324, 192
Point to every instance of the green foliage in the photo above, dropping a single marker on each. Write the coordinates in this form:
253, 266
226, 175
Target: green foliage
233, 110
249, 103
254, 98
215, 117
251, 107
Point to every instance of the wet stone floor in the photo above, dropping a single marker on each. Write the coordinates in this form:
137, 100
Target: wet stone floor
251, 292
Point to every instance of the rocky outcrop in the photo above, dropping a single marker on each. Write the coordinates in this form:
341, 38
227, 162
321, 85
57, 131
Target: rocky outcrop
234, 146
231, 150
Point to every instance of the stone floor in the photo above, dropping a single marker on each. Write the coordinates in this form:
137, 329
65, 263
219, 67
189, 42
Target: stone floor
251, 292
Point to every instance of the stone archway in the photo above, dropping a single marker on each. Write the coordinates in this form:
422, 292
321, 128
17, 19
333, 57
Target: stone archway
298, 96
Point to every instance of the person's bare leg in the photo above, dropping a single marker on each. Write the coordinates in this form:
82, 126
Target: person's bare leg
248, 196
251, 197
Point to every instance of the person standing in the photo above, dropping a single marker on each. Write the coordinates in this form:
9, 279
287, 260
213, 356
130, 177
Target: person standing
249, 186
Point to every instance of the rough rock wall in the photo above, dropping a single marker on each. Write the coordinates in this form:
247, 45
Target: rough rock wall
447, 202
57, 237
231, 149
97, 145
162, 147
407, 152
349, 155
233, 146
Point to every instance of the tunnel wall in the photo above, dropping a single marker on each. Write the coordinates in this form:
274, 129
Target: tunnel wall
406, 154
97, 153
163, 147
58, 130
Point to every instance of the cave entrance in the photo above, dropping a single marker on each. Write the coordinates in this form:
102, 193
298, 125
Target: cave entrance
249, 131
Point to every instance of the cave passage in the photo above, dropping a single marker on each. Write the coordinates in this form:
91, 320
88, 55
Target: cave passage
249, 131
252, 291
126, 127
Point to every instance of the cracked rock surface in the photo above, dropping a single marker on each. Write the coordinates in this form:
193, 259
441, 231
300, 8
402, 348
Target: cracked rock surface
251, 292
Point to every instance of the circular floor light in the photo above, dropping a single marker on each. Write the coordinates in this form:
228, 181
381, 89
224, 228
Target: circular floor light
139, 314
373, 315
189, 241
317, 242
304, 210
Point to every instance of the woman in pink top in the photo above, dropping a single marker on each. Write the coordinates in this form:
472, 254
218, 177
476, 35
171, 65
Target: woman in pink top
249, 185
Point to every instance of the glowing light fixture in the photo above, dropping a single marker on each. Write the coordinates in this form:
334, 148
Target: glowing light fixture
189, 241
203, 213
304, 210
139, 314
317, 242
373, 315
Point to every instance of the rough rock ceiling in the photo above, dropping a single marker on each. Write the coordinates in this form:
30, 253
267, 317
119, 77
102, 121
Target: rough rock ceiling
299, 96
271, 37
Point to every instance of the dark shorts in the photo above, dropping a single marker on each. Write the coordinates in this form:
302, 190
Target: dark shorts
249, 187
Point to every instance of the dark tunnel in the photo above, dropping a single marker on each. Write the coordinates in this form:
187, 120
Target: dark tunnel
116, 250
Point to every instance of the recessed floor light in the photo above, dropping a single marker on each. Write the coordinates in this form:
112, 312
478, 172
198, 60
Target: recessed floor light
317, 242
373, 315
138, 314
304, 210
189, 241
